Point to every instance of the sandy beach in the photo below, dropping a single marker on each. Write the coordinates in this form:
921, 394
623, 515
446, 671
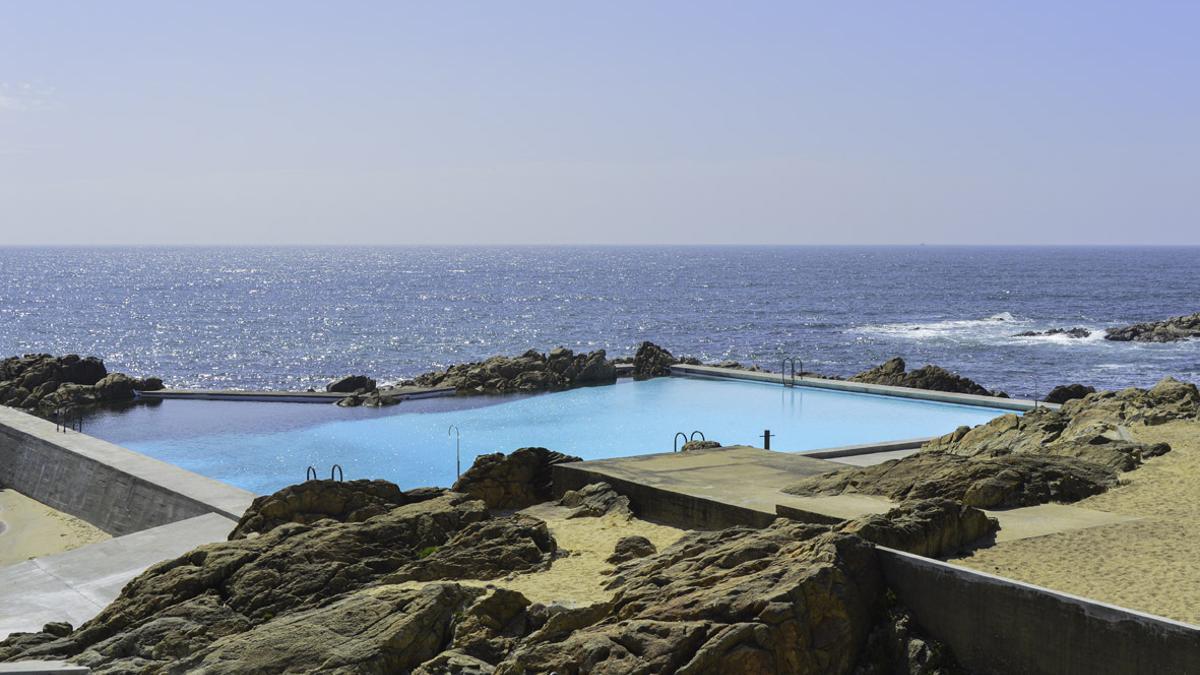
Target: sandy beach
1148, 564
30, 529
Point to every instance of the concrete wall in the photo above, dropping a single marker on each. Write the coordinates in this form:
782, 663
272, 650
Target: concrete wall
662, 506
113, 488
997, 625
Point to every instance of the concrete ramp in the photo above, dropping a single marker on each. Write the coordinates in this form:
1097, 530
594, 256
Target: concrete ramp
74, 586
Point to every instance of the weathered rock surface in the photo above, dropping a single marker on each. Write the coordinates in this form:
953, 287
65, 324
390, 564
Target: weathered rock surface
632, 548
652, 361
512, 481
1069, 332
45, 383
595, 500
352, 501
1065, 392
485, 549
529, 372
351, 384
933, 527
897, 645
893, 372
1168, 330
1044, 455
700, 445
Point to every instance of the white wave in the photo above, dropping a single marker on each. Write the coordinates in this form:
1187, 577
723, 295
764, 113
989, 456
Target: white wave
997, 325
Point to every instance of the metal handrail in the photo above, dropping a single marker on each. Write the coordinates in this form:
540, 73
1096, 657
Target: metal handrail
675, 441
341, 475
693, 436
783, 370
457, 448
310, 473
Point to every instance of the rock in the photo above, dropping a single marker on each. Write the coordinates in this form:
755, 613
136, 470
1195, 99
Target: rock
933, 528
529, 372
1169, 330
46, 383
631, 548
595, 500
512, 481
898, 645
789, 598
699, 445
993, 482
484, 550
1065, 392
892, 373
490, 628
1069, 332
17, 643
652, 361
351, 384
351, 501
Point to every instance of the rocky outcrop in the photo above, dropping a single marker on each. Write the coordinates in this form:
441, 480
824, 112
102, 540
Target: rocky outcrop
1169, 330
652, 361
351, 384
933, 527
632, 547
45, 383
529, 372
1000, 482
1020, 460
893, 373
1068, 332
595, 500
897, 645
512, 481
351, 502
1065, 392
348, 595
700, 445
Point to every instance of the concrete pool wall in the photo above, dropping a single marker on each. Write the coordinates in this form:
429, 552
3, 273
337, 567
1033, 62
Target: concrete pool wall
117, 490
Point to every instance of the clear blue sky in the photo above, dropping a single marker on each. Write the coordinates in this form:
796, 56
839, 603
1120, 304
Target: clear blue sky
605, 122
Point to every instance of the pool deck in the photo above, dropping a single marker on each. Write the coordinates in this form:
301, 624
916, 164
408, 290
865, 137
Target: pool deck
742, 485
287, 396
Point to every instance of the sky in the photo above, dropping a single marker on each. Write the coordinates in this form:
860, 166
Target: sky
602, 123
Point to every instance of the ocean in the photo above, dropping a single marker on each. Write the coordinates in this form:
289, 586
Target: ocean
293, 318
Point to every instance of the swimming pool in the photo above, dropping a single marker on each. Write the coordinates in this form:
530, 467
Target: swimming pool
264, 446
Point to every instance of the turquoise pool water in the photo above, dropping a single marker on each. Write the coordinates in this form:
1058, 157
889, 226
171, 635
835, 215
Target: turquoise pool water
264, 446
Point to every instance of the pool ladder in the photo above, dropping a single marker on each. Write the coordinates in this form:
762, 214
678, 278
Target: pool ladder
783, 371
68, 418
335, 473
686, 438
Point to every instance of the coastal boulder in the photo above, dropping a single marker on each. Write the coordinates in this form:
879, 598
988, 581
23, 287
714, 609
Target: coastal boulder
595, 500
893, 372
631, 548
1065, 392
529, 372
347, 502
652, 361
932, 528
1169, 330
514, 481
351, 384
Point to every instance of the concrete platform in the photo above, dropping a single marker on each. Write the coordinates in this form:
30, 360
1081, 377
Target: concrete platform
74, 586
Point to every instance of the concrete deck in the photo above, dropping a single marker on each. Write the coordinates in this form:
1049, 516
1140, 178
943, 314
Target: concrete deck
286, 396
742, 485
74, 586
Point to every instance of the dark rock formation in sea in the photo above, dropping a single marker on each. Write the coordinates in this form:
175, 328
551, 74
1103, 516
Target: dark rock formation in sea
1168, 330
529, 372
351, 384
652, 361
512, 481
1042, 456
1069, 332
1065, 392
46, 383
893, 372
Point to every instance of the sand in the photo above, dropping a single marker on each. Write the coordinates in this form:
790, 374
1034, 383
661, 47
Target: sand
30, 529
1149, 564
